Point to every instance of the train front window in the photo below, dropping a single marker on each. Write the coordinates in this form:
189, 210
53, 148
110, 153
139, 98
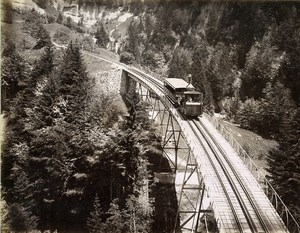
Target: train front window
193, 97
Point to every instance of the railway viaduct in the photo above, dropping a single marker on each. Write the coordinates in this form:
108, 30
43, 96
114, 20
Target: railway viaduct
237, 194
225, 181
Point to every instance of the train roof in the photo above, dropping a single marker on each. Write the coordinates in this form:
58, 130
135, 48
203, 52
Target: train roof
192, 92
177, 83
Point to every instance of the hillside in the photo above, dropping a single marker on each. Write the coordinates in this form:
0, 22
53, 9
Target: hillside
243, 57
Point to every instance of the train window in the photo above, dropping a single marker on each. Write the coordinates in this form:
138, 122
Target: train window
195, 97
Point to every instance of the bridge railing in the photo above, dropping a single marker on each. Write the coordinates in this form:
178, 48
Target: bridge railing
273, 196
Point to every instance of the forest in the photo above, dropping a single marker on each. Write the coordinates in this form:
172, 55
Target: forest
63, 148
59, 142
68, 162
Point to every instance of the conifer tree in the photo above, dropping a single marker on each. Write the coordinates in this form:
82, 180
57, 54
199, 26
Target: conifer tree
200, 80
179, 66
129, 152
94, 221
21, 192
73, 82
69, 22
41, 3
59, 18
116, 222
274, 105
19, 220
132, 45
42, 37
101, 36
284, 163
13, 69
148, 26
44, 66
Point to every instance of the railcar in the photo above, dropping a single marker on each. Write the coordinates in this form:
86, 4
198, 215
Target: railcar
184, 96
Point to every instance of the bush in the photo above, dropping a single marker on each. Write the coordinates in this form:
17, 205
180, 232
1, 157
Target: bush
41, 3
87, 43
231, 106
149, 59
127, 58
51, 19
19, 219
248, 116
59, 18
61, 36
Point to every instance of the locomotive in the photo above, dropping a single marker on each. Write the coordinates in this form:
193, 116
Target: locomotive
184, 97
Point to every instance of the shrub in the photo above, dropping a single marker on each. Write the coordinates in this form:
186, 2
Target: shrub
87, 43
51, 19
231, 106
248, 116
61, 36
127, 58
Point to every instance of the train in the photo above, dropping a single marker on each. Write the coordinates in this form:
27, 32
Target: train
184, 97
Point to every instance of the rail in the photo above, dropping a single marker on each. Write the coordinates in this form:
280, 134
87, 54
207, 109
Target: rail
239, 181
231, 204
270, 192
275, 199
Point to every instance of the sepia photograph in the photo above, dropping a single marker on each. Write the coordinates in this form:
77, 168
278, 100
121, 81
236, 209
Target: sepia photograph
150, 116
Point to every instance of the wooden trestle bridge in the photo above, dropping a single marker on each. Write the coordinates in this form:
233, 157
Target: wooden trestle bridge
225, 180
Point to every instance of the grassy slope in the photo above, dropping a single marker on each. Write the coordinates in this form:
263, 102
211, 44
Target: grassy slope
18, 36
256, 146
52, 28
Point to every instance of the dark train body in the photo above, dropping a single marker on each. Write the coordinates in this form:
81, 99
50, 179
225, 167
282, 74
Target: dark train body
184, 96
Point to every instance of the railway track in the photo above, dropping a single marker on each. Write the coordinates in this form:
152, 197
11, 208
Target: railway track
244, 209
246, 214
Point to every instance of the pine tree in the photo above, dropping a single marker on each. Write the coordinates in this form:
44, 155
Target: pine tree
42, 37
45, 104
274, 105
48, 154
284, 163
116, 222
129, 170
94, 222
288, 41
179, 66
69, 22
132, 45
148, 26
21, 204
13, 70
19, 220
200, 80
73, 83
59, 18
44, 66
41, 3
101, 36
